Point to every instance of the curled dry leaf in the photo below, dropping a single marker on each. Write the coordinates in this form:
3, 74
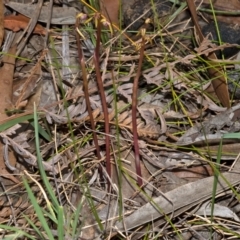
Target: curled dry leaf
126, 91
211, 131
149, 129
28, 157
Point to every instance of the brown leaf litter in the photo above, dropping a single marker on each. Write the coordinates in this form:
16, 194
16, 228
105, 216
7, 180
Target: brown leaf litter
179, 124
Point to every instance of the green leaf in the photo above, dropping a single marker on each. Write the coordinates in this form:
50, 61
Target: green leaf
231, 135
42, 132
12, 122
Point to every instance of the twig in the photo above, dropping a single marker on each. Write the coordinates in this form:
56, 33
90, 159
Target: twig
134, 116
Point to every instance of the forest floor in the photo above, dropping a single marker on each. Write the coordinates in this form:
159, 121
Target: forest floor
119, 121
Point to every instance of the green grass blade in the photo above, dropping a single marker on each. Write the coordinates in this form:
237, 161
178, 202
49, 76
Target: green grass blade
50, 216
76, 220
40, 165
42, 132
38, 210
17, 230
231, 135
34, 226
216, 176
60, 227
12, 122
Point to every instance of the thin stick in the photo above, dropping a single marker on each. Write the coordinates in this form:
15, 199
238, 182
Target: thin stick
134, 116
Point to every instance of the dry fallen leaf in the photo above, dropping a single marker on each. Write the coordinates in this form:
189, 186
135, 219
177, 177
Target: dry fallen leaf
59, 15
194, 173
28, 87
20, 22
220, 5
215, 71
6, 73
1, 22
110, 10
177, 201
127, 176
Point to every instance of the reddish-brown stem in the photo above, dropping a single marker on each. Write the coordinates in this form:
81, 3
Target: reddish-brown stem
86, 93
134, 116
103, 98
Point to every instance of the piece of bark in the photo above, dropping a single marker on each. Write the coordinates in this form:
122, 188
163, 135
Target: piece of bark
6, 73
1, 22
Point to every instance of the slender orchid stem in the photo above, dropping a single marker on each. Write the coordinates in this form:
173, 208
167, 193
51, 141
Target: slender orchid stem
134, 116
